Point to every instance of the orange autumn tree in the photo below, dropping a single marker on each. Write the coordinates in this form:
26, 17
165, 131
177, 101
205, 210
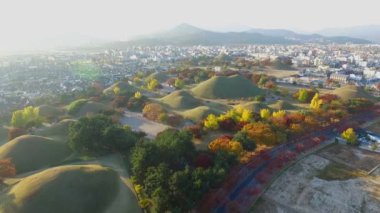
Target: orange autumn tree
262, 133
225, 144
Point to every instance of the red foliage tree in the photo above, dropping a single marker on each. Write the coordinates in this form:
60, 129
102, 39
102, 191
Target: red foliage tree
7, 168
203, 160
227, 124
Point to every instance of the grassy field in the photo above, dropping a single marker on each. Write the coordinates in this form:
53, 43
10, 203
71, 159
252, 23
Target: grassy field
278, 73
74, 188
221, 87
180, 100
350, 92
30, 152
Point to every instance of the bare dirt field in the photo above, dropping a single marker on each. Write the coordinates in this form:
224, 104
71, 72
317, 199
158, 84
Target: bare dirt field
322, 183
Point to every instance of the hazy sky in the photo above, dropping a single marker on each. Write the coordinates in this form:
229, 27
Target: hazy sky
26, 21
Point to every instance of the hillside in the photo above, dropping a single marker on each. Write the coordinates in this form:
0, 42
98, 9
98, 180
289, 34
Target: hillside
351, 91
231, 87
369, 32
180, 100
185, 34
79, 188
30, 152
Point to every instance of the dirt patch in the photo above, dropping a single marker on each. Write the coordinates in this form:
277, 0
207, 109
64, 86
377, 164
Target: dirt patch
351, 157
300, 189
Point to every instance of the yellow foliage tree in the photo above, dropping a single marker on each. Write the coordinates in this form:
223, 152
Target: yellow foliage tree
116, 90
211, 122
316, 102
27, 116
264, 113
138, 95
279, 114
246, 115
350, 136
152, 84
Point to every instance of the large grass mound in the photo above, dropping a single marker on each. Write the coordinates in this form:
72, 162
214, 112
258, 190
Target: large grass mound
3, 135
92, 107
254, 106
30, 152
180, 100
63, 189
281, 105
159, 76
58, 131
49, 111
124, 88
350, 92
223, 87
198, 113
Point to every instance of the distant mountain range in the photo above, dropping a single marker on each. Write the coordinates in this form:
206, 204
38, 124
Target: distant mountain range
369, 32
186, 34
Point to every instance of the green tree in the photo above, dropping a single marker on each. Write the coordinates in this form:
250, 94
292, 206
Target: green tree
243, 138
98, 135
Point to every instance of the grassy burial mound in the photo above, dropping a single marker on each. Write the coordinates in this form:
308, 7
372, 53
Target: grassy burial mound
30, 152
180, 100
281, 105
350, 92
82, 107
254, 106
198, 113
74, 189
124, 87
49, 112
3, 135
159, 76
222, 87
92, 107
58, 131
